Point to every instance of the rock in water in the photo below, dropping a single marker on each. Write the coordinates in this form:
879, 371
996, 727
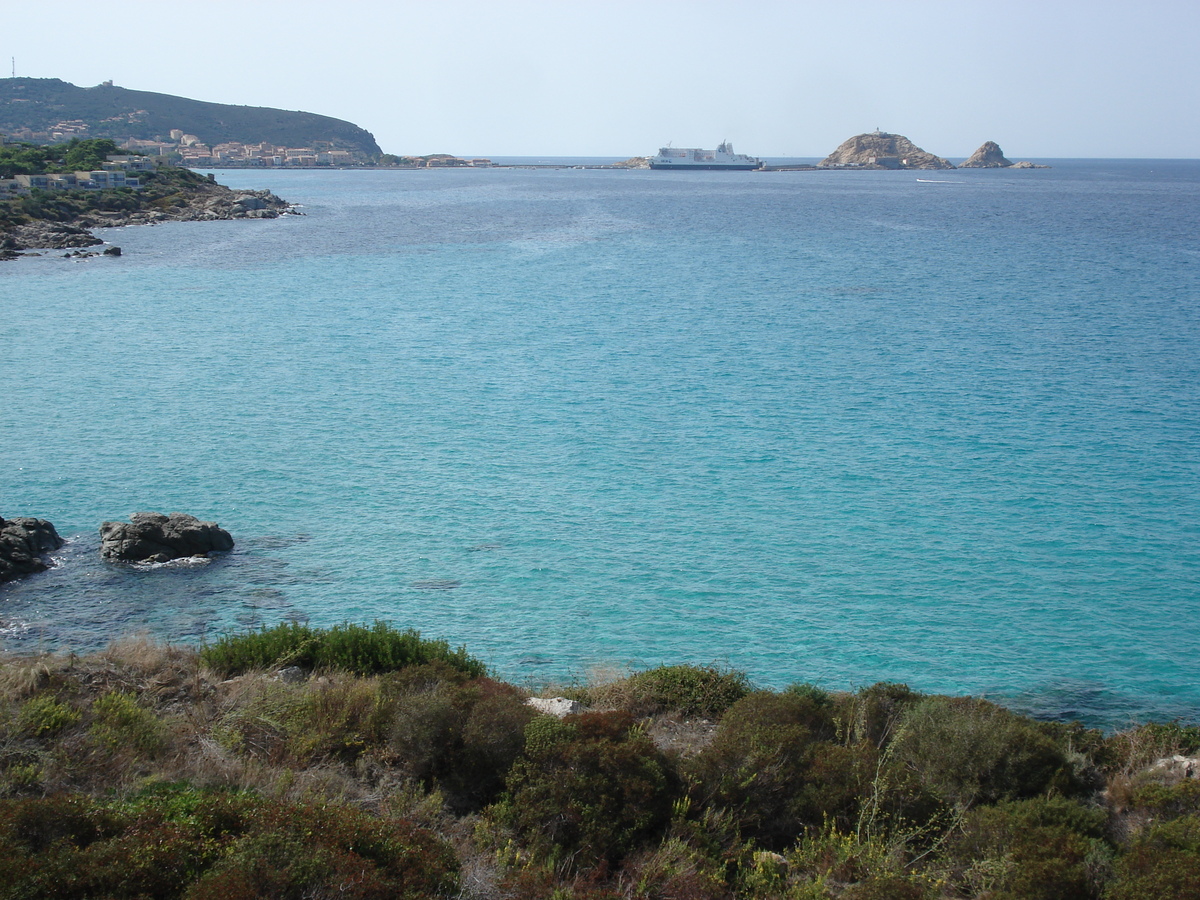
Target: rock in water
153, 537
23, 543
988, 156
880, 150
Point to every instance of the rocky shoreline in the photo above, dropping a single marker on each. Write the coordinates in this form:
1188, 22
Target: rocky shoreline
202, 201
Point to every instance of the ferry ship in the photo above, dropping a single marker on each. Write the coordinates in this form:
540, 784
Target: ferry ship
722, 158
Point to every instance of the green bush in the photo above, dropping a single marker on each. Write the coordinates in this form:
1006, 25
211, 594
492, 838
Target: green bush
121, 724
773, 764
177, 842
319, 851
890, 887
1162, 863
588, 796
874, 713
1164, 801
971, 751
353, 648
491, 740
819, 696
1036, 849
686, 690
42, 716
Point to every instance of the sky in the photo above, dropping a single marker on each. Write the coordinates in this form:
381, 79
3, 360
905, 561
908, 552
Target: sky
1047, 79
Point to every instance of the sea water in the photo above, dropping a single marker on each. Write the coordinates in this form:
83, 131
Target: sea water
831, 427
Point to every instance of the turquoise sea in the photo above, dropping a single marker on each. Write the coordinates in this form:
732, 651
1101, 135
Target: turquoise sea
832, 427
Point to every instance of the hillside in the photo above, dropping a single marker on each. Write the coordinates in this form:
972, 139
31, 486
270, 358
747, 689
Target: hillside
39, 104
367, 763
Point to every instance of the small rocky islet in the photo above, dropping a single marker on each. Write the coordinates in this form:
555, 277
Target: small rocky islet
881, 150
149, 537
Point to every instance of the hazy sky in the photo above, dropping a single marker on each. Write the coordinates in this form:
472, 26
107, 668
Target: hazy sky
1054, 78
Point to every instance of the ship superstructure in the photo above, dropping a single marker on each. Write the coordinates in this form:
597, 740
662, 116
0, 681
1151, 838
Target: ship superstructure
690, 159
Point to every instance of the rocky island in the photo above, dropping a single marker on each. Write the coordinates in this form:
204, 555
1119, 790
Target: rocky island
52, 203
880, 150
990, 156
24, 543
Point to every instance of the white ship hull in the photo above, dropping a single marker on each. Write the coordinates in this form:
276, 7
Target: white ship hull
691, 160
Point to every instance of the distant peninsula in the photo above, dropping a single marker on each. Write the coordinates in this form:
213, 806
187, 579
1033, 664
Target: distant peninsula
49, 110
51, 195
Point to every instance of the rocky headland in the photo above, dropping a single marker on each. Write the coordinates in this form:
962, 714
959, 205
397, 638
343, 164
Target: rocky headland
63, 220
880, 150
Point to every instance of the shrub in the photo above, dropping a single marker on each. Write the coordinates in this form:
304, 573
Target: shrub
677, 869
773, 765
1163, 863
819, 696
120, 723
587, 796
338, 720
492, 739
967, 751
175, 841
1038, 849
353, 648
314, 851
874, 713
43, 716
1129, 751
686, 690
890, 887
1168, 801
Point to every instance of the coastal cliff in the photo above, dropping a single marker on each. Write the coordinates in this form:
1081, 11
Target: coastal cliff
880, 150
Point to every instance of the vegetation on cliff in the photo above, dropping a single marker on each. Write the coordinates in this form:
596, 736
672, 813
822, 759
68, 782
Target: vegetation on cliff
145, 771
108, 111
37, 159
57, 219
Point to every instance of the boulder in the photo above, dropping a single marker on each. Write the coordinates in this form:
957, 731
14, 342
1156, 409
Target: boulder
988, 156
880, 150
153, 537
23, 545
1173, 769
554, 706
52, 236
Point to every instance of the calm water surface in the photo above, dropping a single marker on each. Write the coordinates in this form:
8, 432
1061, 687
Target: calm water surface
830, 427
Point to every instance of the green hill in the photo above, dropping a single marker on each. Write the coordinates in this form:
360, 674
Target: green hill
38, 104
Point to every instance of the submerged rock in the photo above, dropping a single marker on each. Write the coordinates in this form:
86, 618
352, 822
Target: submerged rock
23, 545
153, 537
